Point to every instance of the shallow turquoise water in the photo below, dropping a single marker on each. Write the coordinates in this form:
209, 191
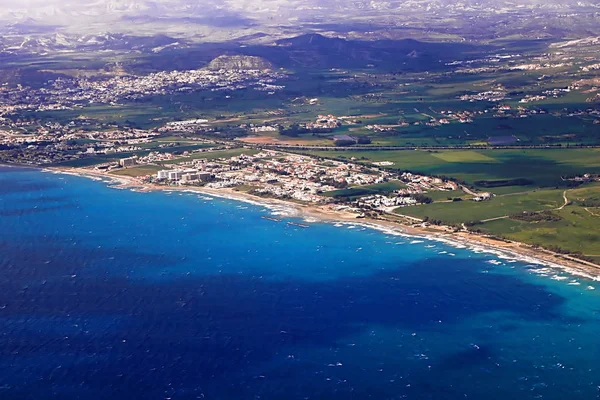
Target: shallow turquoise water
108, 293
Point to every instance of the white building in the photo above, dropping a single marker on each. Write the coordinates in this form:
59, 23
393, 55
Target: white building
128, 162
191, 177
174, 175
162, 174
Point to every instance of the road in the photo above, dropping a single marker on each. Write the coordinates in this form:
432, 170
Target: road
566, 201
399, 148
591, 212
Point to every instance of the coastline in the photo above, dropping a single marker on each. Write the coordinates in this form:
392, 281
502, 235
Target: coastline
504, 249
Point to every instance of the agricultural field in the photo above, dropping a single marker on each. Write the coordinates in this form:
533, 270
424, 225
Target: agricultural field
213, 155
540, 217
575, 228
447, 195
355, 192
498, 171
468, 211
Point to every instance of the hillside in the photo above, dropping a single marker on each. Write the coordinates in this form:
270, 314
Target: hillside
238, 62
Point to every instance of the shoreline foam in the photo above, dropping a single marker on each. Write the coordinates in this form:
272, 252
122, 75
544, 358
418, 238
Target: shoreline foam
510, 250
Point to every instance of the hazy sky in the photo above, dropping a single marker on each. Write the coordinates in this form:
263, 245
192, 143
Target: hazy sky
111, 13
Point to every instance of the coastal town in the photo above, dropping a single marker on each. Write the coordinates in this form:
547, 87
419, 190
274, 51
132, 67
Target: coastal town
287, 176
300, 199
404, 148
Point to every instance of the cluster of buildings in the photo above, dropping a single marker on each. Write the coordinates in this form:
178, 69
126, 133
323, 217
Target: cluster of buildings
66, 93
53, 143
384, 203
491, 95
416, 185
516, 112
184, 176
186, 123
297, 177
108, 148
324, 122
592, 67
422, 183
379, 128
463, 116
532, 98
274, 174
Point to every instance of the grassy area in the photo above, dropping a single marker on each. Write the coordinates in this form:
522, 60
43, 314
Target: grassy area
543, 167
439, 195
213, 155
355, 192
469, 211
138, 171
462, 156
576, 230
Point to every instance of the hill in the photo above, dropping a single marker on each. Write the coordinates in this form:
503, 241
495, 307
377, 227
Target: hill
239, 62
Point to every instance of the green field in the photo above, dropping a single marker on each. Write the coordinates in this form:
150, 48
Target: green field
446, 195
577, 231
469, 211
574, 228
355, 192
213, 155
544, 167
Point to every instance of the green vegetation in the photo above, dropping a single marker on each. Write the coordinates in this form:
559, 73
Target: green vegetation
153, 146
356, 192
137, 171
538, 218
213, 155
543, 167
470, 211
576, 231
438, 195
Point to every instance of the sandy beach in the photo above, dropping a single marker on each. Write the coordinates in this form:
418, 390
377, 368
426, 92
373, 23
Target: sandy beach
504, 248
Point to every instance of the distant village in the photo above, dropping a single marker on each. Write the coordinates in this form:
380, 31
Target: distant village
73, 93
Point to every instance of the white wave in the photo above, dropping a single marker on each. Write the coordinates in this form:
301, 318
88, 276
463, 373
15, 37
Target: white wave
282, 209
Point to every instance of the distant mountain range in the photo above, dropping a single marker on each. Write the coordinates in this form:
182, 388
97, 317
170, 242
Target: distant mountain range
46, 26
83, 15
60, 43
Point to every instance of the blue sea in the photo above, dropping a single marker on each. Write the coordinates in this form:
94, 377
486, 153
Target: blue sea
116, 294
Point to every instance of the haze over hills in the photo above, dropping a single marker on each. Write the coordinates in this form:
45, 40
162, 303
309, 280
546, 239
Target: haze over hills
227, 19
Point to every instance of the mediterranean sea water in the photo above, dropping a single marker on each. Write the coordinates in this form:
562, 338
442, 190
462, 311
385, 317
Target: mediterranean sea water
114, 294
